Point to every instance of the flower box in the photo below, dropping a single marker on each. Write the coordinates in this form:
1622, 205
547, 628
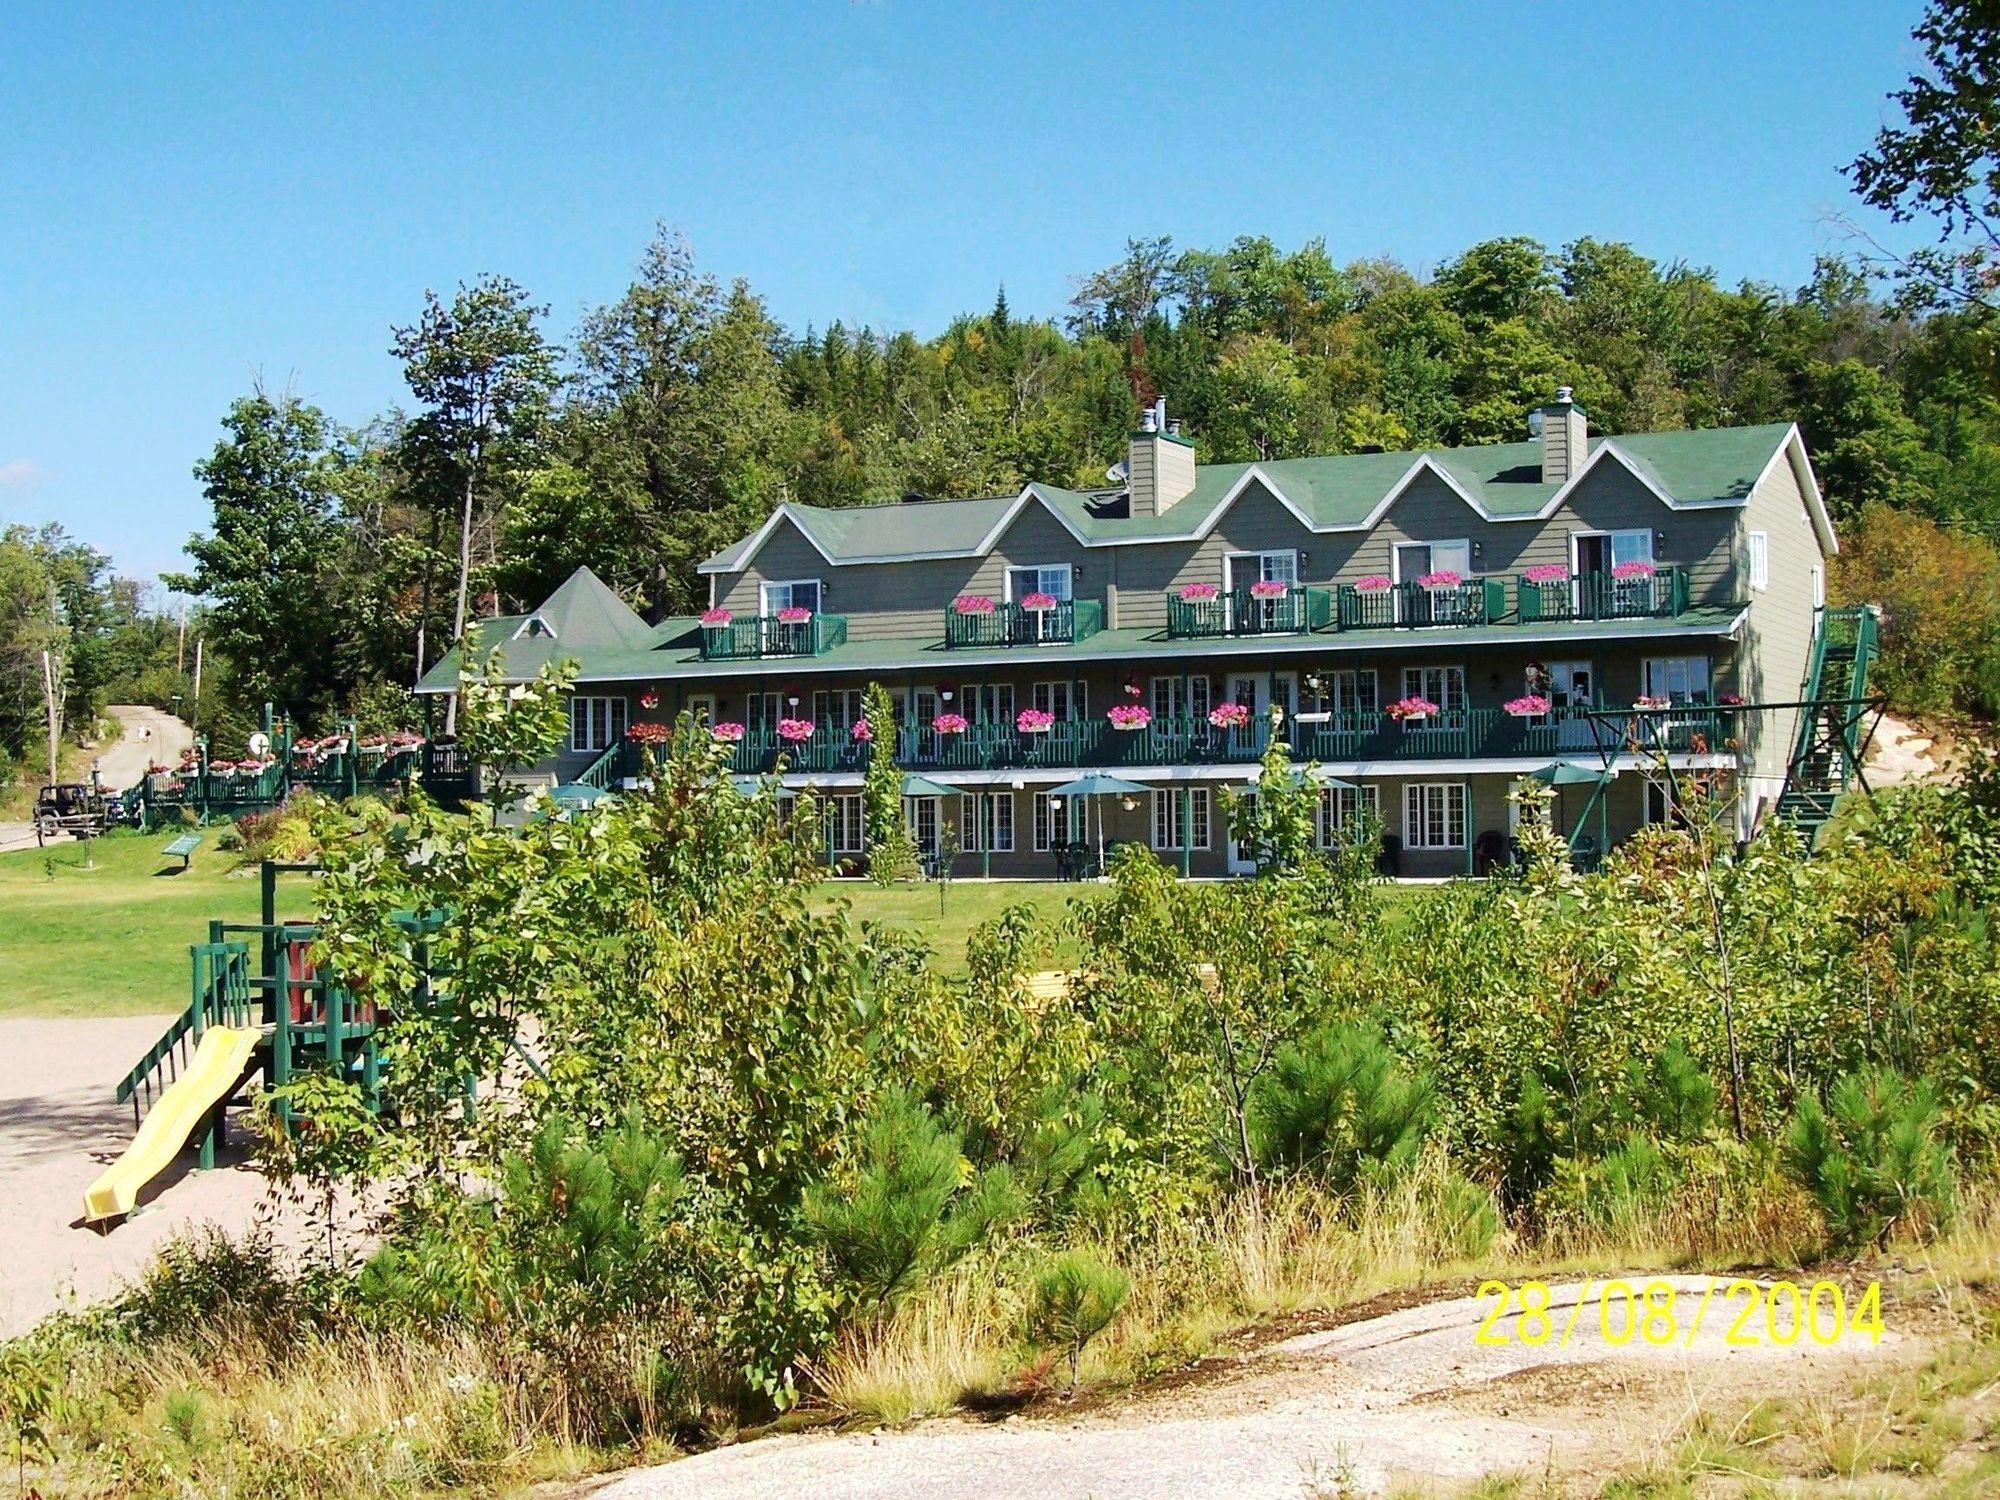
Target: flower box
1313, 716
797, 731
1546, 573
1269, 588
1444, 578
1651, 703
973, 604
950, 724
1038, 601
1626, 571
794, 614
1528, 706
1411, 710
1034, 721
1230, 715
1129, 716
1197, 591
649, 734
715, 618
861, 732
1374, 583
728, 730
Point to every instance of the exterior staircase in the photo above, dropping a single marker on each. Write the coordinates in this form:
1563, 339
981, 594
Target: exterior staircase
1826, 755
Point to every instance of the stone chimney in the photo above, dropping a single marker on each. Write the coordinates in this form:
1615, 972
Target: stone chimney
1565, 438
1159, 463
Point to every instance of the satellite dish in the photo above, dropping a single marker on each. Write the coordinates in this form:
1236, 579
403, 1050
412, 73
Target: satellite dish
1117, 472
260, 744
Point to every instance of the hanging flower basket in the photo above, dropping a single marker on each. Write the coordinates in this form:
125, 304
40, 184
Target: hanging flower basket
1034, 721
1374, 583
649, 734
1229, 715
1546, 573
728, 730
861, 732
950, 724
1129, 716
649, 699
1194, 591
1527, 706
716, 618
1269, 588
973, 604
797, 731
794, 614
1626, 571
1411, 710
1038, 601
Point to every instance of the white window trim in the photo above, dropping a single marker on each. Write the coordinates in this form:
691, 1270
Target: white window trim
1231, 559
1166, 809
1416, 796
1367, 800
615, 709
1068, 570
1663, 667
764, 605
1396, 554
1446, 667
1609, 536
844, 814
972, 807
1757, 561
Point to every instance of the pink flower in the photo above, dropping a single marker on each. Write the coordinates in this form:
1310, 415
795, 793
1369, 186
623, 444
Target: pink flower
794, 614
1411, 708
973, 604
1199, 591
795, 730
1229, 715
1444, 578
1651, 702
1130, 716
1546, 573
1528, 706
728, 729
649, 734
1038, 600
950, 724
1633, 570
1374, 583
713, 618
649, 699
1033, 720
862, 732
1269, 588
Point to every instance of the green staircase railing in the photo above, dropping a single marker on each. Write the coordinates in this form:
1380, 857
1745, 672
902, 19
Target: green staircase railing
1826, 750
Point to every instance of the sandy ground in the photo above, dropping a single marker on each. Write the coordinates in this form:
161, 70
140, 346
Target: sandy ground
1901, 752
1406, 1396
58, 1128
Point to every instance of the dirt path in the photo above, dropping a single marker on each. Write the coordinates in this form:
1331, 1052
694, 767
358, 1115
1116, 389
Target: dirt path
150, 735
1405, 1396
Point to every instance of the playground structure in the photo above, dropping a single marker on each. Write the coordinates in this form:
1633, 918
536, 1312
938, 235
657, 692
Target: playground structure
340, 765
257, 1007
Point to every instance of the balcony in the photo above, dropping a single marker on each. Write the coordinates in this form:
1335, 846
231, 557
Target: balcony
1659, 595
1069, 621
767, 635
1475, 601
1479, 733
1238, 612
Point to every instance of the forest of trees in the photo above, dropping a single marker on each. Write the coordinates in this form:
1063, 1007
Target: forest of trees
342, 560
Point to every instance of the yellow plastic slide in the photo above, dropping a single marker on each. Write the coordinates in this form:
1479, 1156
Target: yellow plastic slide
217, 1067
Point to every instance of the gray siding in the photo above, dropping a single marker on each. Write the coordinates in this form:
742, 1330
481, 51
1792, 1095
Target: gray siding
1777, 641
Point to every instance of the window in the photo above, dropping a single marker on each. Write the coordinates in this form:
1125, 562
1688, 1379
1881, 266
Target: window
1343, 694
1681, 678
801, 593
924, 824
840, 707
1181, 698
986, 822
765, 709
1053, 580
1170, 829
595, 724
1601, 551
1065, 700
1241, 569
1444, 686
1341, 808
843, 825
1434, 815
1056, 821
1412, 560
1760, 560
992, 703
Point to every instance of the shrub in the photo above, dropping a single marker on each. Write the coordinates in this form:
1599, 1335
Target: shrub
1073, 1298
1673, 1094
1339, 1104
1872, 1160
1940, 596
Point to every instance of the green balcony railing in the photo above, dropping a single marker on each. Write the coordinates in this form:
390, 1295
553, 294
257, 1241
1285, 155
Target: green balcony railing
767, 635
1069, 621
1476, 601
1660, 594
1299, 609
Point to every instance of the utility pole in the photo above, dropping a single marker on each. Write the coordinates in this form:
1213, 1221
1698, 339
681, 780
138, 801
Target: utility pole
52, 707
194, 708
181, 642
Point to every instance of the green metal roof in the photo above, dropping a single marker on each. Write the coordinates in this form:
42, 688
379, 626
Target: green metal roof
675, 652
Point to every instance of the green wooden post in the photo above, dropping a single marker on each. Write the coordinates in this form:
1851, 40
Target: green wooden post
1187, 829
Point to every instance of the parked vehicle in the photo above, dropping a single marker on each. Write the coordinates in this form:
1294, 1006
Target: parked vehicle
71, 807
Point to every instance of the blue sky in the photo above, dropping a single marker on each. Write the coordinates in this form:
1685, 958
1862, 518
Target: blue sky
190, 195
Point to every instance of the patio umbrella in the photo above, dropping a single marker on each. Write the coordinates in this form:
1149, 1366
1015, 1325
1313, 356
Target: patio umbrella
1099, 784
1562, 773
922, 786
576, 794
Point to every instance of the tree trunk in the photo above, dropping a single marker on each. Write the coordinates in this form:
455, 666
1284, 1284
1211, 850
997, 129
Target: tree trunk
464, 585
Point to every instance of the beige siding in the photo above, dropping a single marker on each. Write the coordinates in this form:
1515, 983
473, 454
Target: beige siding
1777, 641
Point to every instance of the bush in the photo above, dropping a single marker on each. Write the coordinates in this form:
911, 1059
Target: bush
1871, 1159
1673, 1095
1339, 1104
1073, 1298
1940, 597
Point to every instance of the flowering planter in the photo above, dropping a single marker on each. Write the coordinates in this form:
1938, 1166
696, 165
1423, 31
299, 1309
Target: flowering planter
1034, 721
1532, 706
1411, 710
1230, 716
1038, 602
1198, 591
973, 604
950, 724
795, 731
1319, 717
714, 618
727, 730
1130, 717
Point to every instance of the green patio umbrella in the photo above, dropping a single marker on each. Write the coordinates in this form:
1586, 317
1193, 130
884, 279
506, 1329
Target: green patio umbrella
576, 794
922, 786
1562, 773
1099, 784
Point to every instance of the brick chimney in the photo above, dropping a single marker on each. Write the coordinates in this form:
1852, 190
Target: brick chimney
1565, 438
1159, 463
